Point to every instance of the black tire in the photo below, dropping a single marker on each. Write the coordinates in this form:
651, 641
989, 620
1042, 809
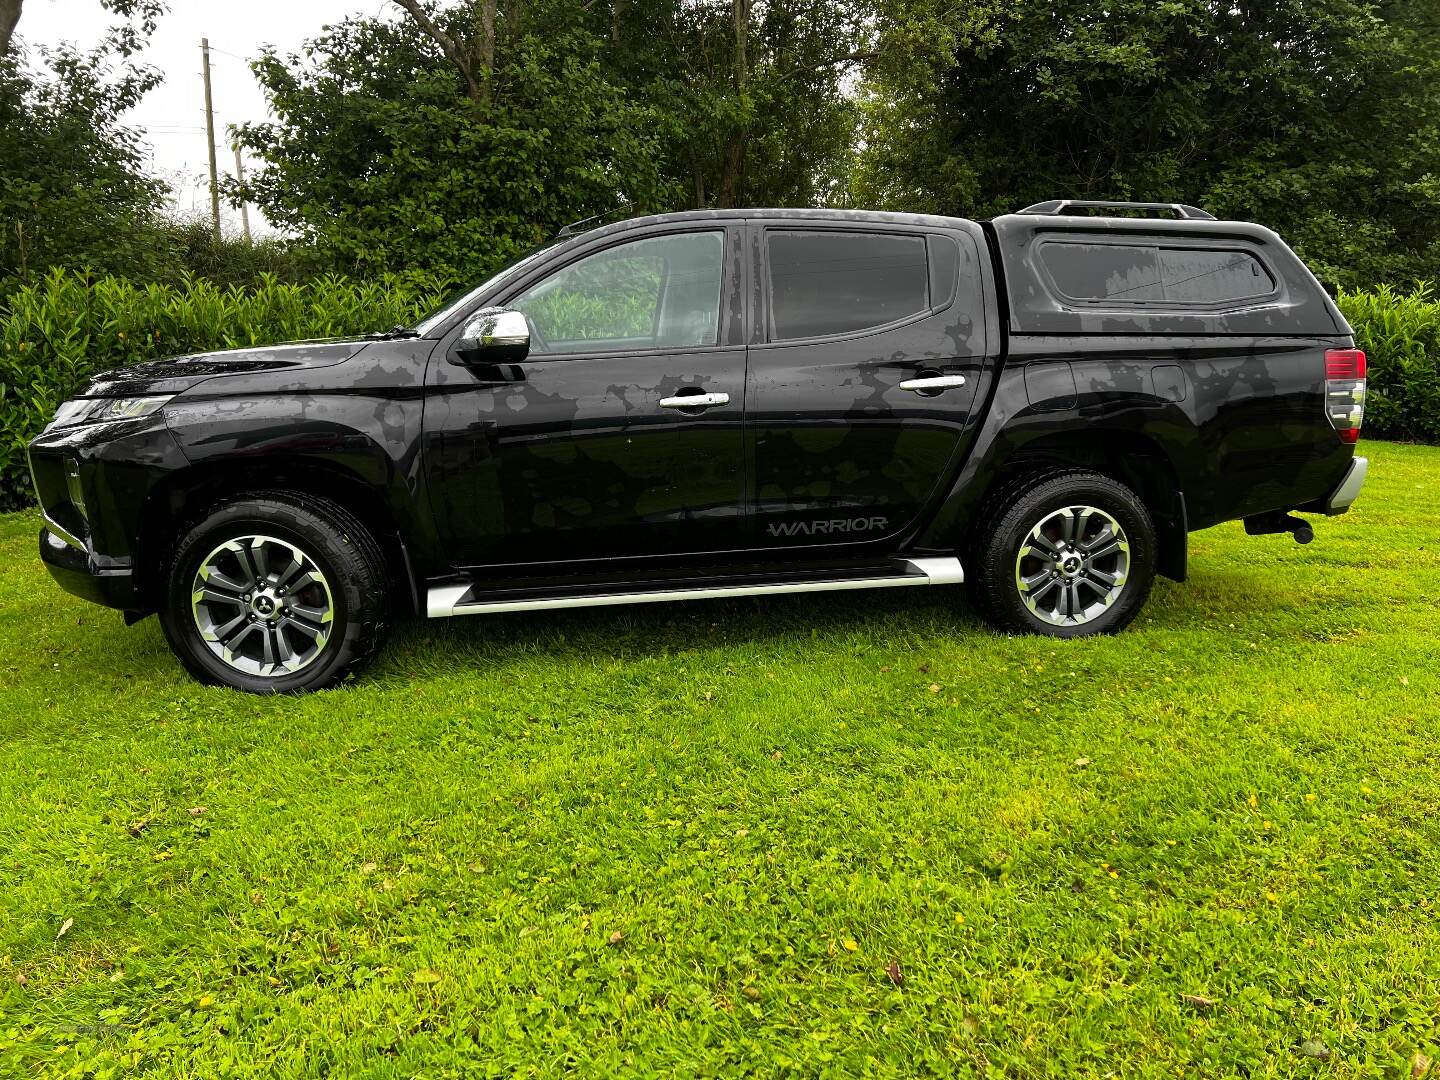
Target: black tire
1036, 505
353, 585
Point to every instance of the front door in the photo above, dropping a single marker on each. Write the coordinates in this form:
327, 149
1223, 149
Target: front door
621, 432
860, 394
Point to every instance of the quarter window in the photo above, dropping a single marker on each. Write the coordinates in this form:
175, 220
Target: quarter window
661, 292
826, 283
1134, 273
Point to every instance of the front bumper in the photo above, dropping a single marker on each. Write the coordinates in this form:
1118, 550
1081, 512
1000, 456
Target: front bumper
93, 483
78, 570
1349, 487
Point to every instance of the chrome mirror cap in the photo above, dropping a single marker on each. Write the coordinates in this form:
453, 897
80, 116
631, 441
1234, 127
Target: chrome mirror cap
494, 335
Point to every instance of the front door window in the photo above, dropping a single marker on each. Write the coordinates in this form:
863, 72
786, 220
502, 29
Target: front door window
658, 293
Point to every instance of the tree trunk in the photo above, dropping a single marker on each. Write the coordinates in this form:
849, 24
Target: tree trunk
487, 47
449, 46
732, 159
699, 175
9, 16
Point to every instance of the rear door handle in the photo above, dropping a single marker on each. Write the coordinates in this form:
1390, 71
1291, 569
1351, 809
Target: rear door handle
694, 401
933, 383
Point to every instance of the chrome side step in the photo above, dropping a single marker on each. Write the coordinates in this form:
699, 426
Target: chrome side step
454, 599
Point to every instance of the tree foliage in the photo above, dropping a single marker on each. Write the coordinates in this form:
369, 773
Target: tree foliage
73, 189
453, 137
1320, 118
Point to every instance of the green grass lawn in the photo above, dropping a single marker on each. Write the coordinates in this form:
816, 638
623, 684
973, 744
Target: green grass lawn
835, 836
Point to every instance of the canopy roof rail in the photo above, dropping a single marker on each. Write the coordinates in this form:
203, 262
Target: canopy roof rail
1063, 207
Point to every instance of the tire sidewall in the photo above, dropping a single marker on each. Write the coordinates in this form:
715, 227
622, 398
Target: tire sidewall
1032, 508
331, 553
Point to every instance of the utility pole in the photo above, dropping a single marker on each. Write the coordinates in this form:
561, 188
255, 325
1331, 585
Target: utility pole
210, 142
244, 207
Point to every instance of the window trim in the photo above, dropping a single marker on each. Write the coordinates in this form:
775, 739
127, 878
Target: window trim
655, 233
808, 226
1163, 304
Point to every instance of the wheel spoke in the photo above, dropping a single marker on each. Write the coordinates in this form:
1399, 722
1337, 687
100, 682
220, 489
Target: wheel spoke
267, 645
1104, 536
1108, 581
1028, 583
247, 564
1067, 526
1041, 545
1045, 590
317, 633
212, 576
283, 578
223, 632
1105, 552
318, 616
211, 595
288, 656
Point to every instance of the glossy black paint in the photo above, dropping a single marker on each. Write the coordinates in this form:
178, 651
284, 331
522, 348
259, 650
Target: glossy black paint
558, 468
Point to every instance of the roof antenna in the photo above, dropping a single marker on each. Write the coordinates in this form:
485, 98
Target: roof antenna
575, 228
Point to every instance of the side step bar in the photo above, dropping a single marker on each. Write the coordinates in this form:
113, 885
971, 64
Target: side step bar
456, 600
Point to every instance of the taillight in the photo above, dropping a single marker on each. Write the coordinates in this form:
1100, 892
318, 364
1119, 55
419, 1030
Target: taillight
1345, 391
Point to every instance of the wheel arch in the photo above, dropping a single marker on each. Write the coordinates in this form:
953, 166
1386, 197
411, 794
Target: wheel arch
1131, 458
182, 496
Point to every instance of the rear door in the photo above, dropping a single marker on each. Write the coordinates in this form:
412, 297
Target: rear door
861, 385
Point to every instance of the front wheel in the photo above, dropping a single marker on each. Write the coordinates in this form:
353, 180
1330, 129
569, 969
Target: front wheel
277, 592
1066, 554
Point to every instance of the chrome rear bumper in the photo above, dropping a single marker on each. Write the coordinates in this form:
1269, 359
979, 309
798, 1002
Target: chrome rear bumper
1349, 487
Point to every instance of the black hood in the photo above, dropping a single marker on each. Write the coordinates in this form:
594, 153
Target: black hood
182, 372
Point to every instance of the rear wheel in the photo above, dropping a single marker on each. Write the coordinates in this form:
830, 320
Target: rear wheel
1066, 554
275, 593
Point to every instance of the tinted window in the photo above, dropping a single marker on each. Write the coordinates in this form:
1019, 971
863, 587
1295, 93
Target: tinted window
662, 292
1133, 272
1193, 276
824, 283
1103, 271
944, 269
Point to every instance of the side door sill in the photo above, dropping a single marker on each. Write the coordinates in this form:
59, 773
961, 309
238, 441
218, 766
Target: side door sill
463, 599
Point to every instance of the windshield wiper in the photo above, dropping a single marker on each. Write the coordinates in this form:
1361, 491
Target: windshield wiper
395, 333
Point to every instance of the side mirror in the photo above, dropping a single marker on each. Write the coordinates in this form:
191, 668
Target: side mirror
494, 336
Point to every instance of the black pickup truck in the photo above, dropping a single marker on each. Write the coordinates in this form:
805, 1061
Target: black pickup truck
723, 403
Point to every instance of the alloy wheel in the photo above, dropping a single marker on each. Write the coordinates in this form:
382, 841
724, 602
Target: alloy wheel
262, 605
1073, 565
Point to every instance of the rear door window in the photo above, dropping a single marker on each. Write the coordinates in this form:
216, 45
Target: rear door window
824, 283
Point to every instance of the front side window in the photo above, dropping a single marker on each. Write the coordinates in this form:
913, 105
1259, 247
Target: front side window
656, 293
826, 283
1130, 273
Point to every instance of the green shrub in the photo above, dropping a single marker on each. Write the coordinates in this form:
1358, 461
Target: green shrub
56, 332
1400, 333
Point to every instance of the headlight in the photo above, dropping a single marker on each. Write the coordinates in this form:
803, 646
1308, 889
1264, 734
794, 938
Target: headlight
96, 410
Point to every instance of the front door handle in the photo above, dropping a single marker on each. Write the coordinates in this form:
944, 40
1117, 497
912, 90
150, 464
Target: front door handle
694, 401
933, 384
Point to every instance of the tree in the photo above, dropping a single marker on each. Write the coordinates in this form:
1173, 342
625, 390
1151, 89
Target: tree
461, 134
1320, 118
73, 190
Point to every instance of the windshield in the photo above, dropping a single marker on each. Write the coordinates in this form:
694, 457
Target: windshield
461, 297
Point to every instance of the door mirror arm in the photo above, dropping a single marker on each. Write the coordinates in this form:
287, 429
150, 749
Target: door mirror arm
494, 335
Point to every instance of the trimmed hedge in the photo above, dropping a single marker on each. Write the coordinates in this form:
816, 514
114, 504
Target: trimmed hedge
58, 331
1400, 333
55, 333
